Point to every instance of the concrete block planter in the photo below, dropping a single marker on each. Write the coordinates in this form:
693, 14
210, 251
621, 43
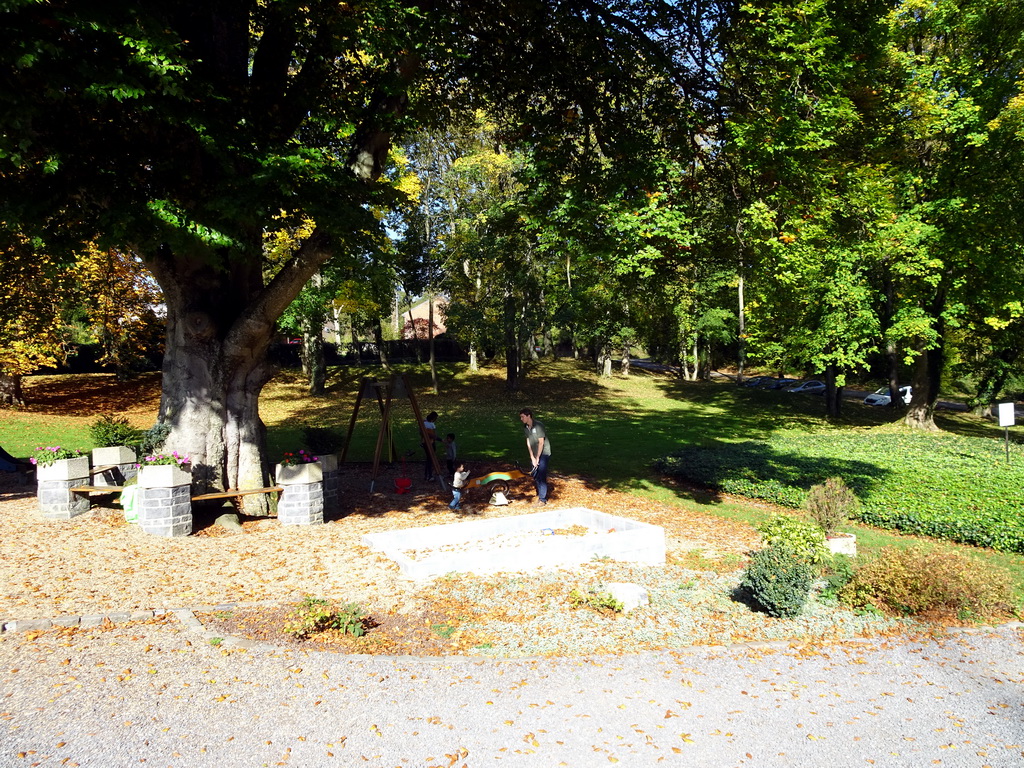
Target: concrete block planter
164, 500
163, 476
122, 460
291, 474
55, 481
302, 500
842, 544
64, 469
114, 454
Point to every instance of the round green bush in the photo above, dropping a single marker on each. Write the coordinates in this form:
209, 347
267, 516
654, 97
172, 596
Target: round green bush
780, 580
805, 538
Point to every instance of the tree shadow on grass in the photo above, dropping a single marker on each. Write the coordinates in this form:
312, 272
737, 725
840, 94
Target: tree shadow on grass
755, 469
91, 394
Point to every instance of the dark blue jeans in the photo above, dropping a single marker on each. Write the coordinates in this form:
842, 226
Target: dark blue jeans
540, 478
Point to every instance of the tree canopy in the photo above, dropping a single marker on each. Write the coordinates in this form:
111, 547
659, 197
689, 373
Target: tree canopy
182, 132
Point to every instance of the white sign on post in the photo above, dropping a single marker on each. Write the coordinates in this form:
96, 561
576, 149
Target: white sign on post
1006, 415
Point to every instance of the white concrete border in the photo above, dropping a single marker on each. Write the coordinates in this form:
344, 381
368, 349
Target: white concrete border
619, 539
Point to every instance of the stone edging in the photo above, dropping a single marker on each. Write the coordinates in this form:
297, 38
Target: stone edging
188, 619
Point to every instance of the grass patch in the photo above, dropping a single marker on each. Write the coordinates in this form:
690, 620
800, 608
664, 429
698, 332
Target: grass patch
940, 485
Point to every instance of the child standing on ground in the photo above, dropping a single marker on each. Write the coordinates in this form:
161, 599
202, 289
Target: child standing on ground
459, 479
451, 451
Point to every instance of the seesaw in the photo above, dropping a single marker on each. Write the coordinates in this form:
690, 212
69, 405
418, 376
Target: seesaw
513, 474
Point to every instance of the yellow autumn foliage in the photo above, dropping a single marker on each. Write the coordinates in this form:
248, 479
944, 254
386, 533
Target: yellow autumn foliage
38, 295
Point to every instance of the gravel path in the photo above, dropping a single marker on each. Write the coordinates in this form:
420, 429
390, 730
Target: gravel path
159, 694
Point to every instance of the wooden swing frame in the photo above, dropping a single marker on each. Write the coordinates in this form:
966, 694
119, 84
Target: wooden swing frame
396, 387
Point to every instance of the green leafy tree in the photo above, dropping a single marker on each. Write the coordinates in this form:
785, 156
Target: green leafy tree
181, 131
958, 158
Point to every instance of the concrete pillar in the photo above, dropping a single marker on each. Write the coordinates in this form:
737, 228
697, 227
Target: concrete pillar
55, 481
302, 500
164, 500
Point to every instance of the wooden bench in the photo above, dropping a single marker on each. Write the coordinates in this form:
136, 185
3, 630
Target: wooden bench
232, 493
97, 489
101, 469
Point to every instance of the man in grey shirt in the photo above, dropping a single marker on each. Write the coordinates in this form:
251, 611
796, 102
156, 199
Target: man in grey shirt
539, 446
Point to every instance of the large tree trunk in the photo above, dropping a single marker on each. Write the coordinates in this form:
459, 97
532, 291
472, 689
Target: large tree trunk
430, 337
378, 340
220, 322
513, 345
512, 368
833, 394
314, 366
210, 399
892, 356
604, 360
927, 372
741, 346
10, 390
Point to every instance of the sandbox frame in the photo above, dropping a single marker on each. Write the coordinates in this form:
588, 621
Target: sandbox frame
624, 539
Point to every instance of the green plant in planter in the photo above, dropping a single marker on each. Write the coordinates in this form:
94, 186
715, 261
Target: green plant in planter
322, 440
779, 577
159, 459
44, 456
302, 457
805, 538
832, 503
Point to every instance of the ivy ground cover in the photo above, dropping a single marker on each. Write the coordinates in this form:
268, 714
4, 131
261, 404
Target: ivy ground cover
946, 486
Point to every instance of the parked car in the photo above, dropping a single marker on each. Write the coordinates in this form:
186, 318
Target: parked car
881, 396
808, 387
755, 381
771, 382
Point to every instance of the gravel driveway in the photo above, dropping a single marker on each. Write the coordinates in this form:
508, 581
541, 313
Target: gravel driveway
160, 694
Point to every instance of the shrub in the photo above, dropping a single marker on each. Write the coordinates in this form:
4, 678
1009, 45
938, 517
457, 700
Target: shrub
321, 440
316, 615
110, 429
152, 440
805, 538
913, 581
838, 573
599, 601
831, 504
780, 579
